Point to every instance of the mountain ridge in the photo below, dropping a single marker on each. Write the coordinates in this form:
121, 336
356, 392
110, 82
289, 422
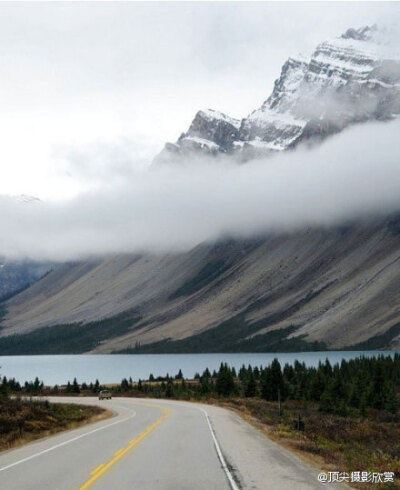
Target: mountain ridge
317, 287
344, 82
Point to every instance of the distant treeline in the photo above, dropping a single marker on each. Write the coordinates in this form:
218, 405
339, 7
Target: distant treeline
353, 386
36, 388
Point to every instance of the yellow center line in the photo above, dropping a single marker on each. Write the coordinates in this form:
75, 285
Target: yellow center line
97, 469
102, 468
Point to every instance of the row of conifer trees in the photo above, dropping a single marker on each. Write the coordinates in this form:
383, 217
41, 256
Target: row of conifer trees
356, 384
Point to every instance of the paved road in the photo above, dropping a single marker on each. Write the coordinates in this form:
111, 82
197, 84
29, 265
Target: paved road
156, 445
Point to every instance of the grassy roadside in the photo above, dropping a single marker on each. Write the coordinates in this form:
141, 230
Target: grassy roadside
22, 421
326, 441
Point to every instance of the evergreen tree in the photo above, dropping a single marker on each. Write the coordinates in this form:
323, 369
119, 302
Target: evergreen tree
124, 386
204, 385
225, 384
359, 390
377, 391
251, 386
272, 382
317, 385
169, 392
75, 386
391, 401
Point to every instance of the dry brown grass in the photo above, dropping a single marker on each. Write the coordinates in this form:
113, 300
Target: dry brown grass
329, 442
22, 421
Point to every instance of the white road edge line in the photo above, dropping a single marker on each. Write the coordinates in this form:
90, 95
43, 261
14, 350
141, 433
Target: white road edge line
221, 458
67, 442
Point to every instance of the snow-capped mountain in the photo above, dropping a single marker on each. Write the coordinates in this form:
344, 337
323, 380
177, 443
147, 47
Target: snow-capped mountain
346, 80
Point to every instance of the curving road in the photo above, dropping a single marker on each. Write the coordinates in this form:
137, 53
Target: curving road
156, 445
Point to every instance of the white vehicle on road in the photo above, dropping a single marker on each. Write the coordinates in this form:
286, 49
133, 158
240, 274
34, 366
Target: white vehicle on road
105, 395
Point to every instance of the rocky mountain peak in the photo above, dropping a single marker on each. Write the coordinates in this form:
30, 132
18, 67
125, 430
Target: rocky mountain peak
210, 133
345, 81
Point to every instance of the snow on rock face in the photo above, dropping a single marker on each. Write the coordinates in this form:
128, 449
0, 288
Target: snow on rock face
211, 133
216, 127
344, 82
216, 116
274, 123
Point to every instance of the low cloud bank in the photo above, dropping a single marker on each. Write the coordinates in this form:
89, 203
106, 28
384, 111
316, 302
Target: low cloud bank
166, 208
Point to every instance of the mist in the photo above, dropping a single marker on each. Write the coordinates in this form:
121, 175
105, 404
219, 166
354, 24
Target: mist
351, 176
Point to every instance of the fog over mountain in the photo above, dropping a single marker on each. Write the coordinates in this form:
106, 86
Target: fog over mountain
352, 175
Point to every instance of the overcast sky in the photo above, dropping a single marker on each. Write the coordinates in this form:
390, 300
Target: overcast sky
91, 90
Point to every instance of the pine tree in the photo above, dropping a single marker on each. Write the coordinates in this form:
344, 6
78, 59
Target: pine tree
359, 391
317, 385
327, 402
251, 386
169, 392
225, 384
272, 382
124, 386
391, 401
75, 386
377, 394
204, 385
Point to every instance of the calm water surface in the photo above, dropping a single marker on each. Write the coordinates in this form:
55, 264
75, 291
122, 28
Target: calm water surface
112, 368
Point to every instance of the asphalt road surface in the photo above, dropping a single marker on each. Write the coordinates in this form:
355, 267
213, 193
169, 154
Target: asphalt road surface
156, 445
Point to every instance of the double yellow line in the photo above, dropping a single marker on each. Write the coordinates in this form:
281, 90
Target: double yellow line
102, 468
